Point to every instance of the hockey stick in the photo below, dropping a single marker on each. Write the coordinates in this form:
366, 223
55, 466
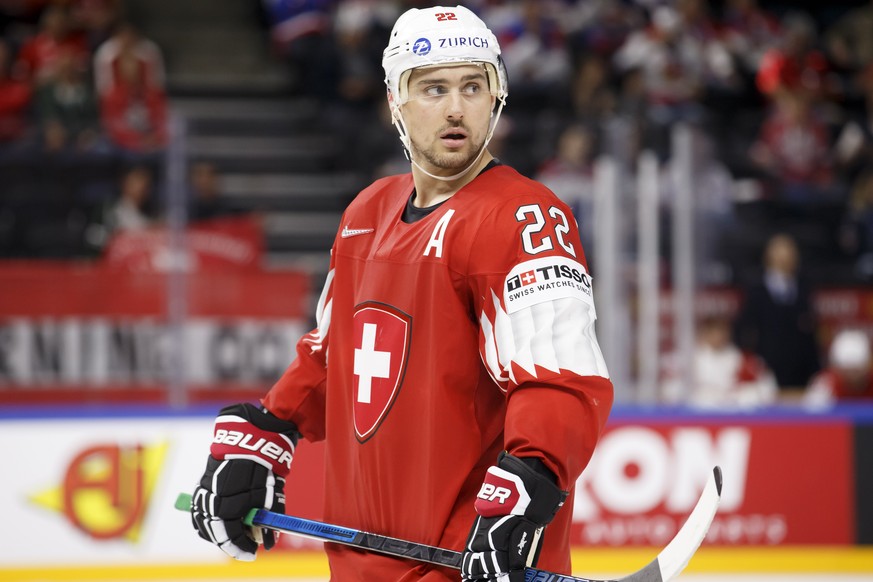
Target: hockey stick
665, 567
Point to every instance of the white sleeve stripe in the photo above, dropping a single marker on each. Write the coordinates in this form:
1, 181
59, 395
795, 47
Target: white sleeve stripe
490, 358
554, 335
503, 336
596, 355
323, 313
544, 344
521, 328
323, 299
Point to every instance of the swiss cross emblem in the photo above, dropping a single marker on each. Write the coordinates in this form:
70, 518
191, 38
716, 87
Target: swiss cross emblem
381, 338
528, 277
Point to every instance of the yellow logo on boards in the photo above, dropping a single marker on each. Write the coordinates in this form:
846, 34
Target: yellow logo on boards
106, 489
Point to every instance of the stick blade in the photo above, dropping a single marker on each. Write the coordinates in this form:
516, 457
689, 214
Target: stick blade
675, 557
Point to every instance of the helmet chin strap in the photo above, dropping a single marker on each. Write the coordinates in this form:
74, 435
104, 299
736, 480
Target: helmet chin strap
397, 119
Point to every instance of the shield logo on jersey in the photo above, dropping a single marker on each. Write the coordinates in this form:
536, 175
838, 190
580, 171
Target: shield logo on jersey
382, 337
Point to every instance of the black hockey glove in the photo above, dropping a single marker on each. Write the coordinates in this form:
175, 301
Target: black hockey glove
515, 504
249, 459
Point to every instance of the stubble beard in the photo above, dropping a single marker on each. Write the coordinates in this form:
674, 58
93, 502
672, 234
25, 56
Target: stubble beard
457, 160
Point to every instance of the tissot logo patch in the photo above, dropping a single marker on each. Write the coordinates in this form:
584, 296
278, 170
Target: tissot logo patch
546, 279
381, 339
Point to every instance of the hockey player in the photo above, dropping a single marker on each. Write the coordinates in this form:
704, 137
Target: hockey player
454, 373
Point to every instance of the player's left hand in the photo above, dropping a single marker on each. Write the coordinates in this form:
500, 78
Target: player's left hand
515, 504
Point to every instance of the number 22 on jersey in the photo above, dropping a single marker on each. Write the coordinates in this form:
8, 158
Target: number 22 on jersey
540, 233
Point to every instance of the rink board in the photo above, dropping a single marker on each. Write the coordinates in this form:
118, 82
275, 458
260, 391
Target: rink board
96, 489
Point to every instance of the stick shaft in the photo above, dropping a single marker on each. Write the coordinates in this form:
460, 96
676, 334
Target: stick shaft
665, 567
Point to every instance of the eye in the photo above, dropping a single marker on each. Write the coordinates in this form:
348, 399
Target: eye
434, 90
472, 88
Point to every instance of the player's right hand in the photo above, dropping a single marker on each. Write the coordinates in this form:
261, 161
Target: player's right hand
250, 457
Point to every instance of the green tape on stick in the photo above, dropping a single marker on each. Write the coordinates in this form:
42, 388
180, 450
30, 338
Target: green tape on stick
183, 503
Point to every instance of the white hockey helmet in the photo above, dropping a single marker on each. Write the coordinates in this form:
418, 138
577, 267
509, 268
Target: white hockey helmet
441, 35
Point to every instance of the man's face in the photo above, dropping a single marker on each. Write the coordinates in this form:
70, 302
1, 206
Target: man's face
782, 255
447, 116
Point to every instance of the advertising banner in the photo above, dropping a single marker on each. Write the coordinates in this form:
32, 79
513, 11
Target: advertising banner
213, 245
785, 482
100, 490
96, 333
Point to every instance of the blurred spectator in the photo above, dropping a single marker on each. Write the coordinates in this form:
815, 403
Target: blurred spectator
570, 175
129, 212
15, 98
749, 32
674, 65
796, 64
300, 34
697, 22
96, 19
536, 56
723, 376
127, 49
854, 146
359, 69
849, 40
599, 27
133, 110
592, 97
856, 232
39, 59
66, 108
776, 320
848, 376
205, 197
631, 103
793, 148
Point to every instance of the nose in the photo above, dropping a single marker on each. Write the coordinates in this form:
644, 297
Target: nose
455, 106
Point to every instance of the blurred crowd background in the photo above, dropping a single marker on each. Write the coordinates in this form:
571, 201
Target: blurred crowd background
281, 108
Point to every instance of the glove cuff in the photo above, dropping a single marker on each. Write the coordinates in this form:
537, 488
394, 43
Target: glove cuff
244, 431
512, 487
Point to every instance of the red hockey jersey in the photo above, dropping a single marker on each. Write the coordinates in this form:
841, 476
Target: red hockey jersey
440, 343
